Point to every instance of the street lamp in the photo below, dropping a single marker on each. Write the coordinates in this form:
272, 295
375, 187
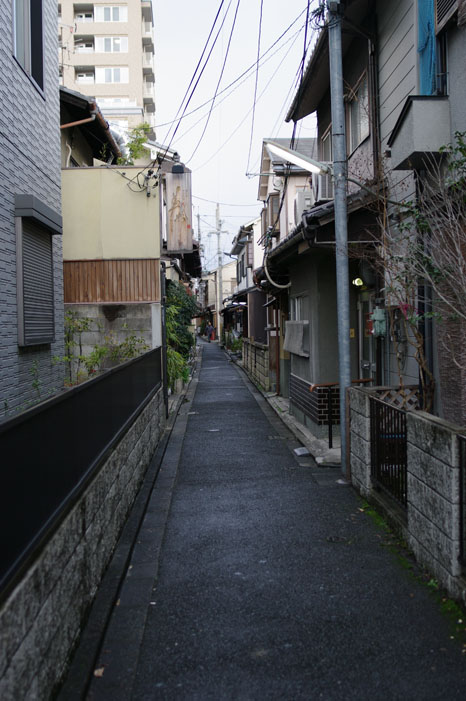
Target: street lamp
296, 158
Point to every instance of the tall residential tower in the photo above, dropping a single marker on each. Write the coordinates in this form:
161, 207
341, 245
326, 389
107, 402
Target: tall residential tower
107, 51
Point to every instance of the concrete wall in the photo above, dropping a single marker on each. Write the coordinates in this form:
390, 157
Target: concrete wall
104, 219
41, 619
432, 522
29, 164
114, 323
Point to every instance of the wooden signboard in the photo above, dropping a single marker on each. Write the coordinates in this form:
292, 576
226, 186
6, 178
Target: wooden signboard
179, 213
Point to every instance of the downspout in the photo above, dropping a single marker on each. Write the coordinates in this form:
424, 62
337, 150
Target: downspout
164, 336
78, 122
277, 352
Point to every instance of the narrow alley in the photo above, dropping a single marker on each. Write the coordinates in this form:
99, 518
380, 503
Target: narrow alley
255, 575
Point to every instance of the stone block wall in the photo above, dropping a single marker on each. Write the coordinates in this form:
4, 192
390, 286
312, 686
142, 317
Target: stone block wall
434, 496
41, 619
360, 443
432, 526
256, 363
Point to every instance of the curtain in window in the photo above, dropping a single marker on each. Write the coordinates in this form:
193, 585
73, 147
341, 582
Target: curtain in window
426, 47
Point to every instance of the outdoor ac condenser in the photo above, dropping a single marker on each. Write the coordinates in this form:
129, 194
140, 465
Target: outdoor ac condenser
322, 187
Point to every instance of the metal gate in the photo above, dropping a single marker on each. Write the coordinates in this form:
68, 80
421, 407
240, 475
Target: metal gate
389, 450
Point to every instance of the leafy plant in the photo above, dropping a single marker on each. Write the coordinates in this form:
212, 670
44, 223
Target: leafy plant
135, 144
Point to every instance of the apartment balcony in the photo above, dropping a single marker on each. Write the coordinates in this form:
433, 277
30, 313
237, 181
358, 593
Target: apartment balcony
84, 77
148, 36
146, 10
83, 12
148, 93
84, 44
148, 63
422, 128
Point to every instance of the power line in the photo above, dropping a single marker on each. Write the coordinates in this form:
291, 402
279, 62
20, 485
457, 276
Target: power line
201, 72
255, 87
245, 117
218, 83
224, 204
198, 64
242, 75
242, 82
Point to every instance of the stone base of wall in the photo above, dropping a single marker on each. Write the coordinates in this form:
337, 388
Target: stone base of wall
431, 522
41, 619
256, 363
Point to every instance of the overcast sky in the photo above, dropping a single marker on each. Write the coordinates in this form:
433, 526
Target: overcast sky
222, 159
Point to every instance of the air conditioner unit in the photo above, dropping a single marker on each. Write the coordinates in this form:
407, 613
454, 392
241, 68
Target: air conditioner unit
322, 186
304, 199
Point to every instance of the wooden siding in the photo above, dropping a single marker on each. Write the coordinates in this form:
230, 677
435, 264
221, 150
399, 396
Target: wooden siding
397, 60
106, 281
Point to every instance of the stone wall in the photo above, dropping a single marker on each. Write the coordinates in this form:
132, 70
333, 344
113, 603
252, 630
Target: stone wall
40, 621
434, 496
256, 363
432, 524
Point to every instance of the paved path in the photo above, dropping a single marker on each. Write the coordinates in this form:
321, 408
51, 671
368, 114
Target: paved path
269, 582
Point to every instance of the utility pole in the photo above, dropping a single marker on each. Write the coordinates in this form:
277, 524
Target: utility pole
341, 222
219, 266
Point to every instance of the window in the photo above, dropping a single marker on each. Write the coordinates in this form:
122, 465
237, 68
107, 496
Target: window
326, 146
112, 75
111, 13
273, 208
358, 115
296, 308
28, 38
35, 287
111, 44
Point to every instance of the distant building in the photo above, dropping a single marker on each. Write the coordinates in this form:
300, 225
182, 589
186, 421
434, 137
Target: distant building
107, 50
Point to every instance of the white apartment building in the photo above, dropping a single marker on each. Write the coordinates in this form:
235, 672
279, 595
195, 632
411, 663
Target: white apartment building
107, 51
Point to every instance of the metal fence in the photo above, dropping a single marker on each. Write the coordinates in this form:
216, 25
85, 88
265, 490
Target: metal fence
462, 524
389, 450
51, 452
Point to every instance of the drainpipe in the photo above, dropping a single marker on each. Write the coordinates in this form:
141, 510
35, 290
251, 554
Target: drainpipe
78, 122
277, 352
164, 336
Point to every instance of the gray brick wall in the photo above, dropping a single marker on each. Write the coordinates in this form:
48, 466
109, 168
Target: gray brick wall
29, 164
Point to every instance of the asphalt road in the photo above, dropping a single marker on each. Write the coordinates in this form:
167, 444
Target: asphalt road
256, 575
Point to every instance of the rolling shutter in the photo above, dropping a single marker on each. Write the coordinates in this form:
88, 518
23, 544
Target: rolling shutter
444, 11
38, 303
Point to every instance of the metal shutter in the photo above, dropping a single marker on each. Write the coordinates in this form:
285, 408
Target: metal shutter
38, 307
444, 10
